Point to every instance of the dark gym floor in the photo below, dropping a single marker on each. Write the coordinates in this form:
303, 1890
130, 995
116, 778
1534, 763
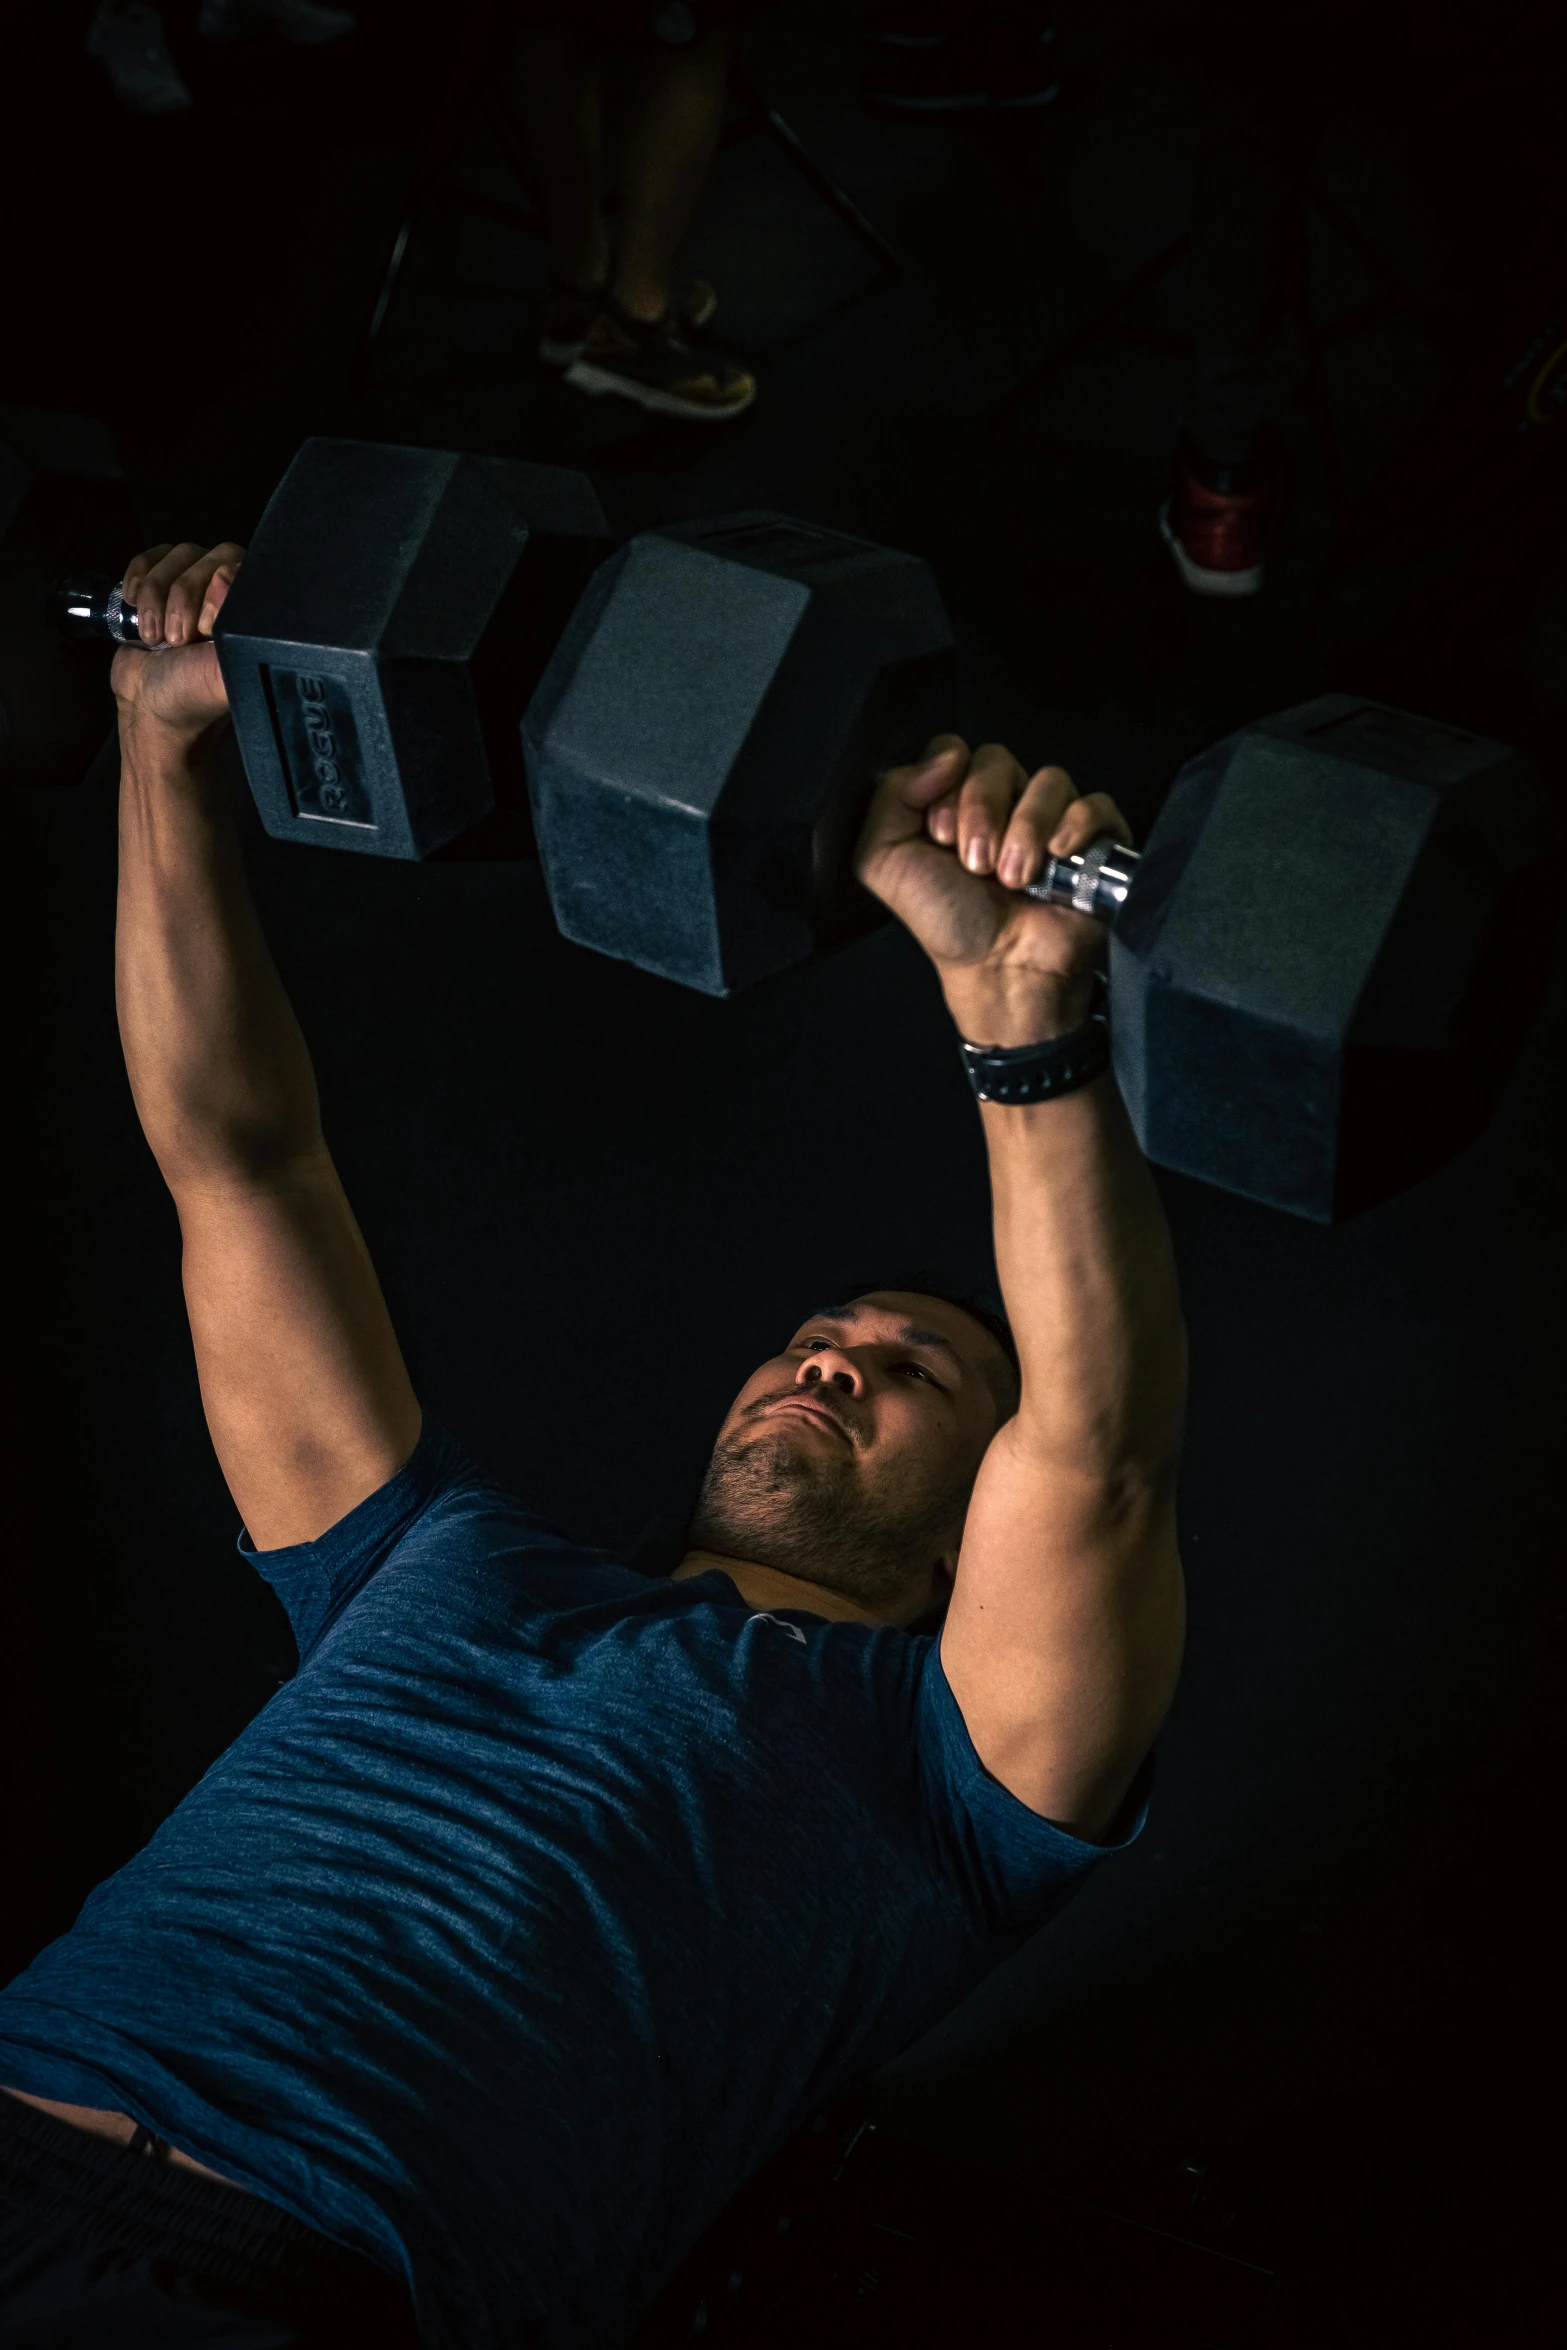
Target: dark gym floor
1326, 1971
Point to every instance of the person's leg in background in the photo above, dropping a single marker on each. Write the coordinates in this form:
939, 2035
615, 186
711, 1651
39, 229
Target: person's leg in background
556, 97
1252, 148
614, 318
1245, 222
666, 154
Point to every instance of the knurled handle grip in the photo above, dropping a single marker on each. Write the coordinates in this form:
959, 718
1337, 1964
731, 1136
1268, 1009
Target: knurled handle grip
89, 604
1093, 881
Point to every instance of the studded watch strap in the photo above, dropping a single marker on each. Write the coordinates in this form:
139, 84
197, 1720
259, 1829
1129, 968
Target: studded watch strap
1025, 1073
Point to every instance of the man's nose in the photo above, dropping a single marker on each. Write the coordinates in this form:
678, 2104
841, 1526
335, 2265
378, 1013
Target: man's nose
830, 1368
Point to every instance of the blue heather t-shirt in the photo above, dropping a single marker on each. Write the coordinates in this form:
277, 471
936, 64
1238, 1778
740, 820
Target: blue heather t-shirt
536, 1910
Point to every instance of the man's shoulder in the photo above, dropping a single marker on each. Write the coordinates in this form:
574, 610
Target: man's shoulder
442, 1515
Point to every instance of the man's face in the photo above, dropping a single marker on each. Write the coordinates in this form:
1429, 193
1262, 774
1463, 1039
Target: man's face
848, 1459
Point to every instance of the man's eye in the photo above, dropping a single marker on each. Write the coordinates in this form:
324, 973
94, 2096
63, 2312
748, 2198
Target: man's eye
920, 1372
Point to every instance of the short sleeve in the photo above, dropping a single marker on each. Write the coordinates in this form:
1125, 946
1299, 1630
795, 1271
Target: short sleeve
1014, 1867
316, 1580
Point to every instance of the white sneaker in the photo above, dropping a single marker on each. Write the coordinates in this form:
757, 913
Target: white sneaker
303, 22
129, 43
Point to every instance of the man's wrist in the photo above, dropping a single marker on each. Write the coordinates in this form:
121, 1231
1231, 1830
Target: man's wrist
165, 760
145, 736
1016, 1007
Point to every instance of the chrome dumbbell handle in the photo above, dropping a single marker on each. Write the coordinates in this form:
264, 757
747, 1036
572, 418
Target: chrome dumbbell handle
90, 605
1094, 881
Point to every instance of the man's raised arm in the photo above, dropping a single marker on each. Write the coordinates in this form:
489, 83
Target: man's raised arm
305, 1390
1063, 1637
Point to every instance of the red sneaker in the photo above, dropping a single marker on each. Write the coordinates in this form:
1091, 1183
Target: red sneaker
1214, 528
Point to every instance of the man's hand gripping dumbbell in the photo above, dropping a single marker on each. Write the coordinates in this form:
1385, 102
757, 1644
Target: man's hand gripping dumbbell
173, 594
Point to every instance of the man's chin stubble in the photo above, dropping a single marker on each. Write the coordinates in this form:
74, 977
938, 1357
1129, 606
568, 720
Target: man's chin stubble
763, 1500
766, 1484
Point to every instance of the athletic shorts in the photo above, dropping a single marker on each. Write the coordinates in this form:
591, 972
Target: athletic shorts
100, 2247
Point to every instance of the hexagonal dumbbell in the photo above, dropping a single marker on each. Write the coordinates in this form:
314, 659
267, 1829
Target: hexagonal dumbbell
701, 748
393, 614
1323, 964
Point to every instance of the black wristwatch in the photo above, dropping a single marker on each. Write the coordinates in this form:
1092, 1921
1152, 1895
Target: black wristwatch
1039, 1072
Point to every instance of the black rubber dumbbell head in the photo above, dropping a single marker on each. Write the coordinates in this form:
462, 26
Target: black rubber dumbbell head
702, 746
1297, 972
394, 612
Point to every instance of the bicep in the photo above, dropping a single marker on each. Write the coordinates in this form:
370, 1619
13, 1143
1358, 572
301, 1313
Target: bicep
302, 1380
1063, 1637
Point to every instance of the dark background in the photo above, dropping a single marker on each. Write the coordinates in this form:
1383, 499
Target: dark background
1309, 2025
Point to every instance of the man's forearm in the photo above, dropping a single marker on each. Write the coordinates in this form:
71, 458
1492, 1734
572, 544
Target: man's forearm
1083, 1252
218, 1067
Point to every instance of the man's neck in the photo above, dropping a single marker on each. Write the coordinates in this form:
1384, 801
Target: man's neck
769, 1587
